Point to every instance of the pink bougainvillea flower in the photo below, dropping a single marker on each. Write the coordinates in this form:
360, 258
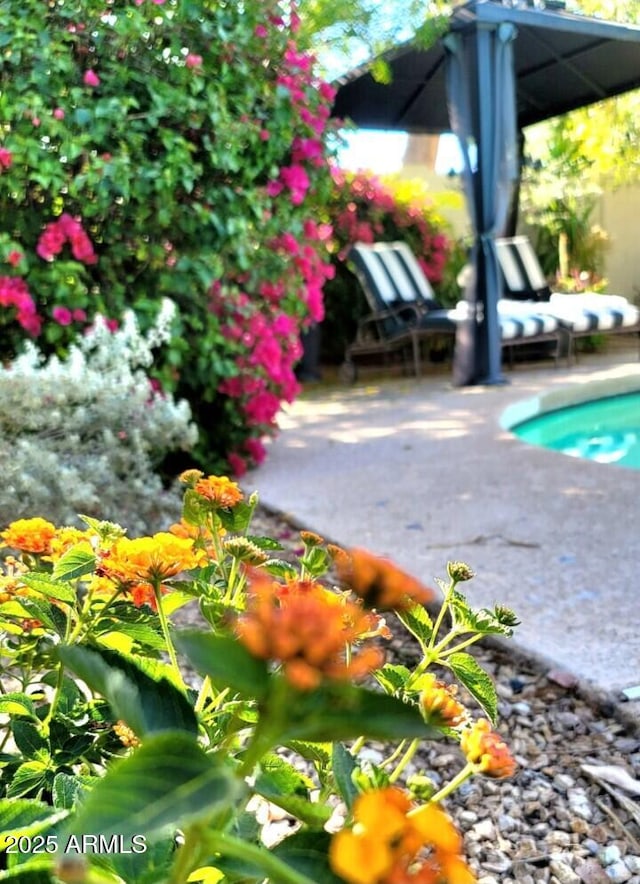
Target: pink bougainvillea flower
274, 188
79, 315
6, 158
255, 449
327, 91
14, 257
58, 113
306, 149
14, 293
289, 243
62, 315
297, 59
193, 61
57, 233
91, 78
260, 31
51, 242
238, 464
297, 181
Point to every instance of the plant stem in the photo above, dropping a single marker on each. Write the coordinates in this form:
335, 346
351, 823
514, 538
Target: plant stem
165, 631
102, 611
395, 754
205, 691
188, 856
56, 697
264, 738
231, 579
357, 746
275, 870
215, 537
461, 645
274, 714
457, 781
443, 609
404, 761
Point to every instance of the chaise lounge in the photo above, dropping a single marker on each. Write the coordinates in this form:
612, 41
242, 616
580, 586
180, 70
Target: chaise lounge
579, 315
403, 308
404, 311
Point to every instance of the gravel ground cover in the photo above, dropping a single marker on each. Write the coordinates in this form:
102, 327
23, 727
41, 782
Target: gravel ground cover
571, 815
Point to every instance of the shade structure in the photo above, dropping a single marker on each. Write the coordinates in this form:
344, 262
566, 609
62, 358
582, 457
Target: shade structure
500, 67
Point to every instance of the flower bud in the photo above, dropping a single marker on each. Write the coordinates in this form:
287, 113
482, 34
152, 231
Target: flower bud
421, 787
459, 572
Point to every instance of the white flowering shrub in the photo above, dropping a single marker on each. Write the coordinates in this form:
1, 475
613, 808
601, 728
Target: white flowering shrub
85, 434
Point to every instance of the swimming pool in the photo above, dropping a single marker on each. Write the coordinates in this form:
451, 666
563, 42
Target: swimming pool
606, 430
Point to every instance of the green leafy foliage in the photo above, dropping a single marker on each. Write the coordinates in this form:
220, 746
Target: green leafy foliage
498, 622
225, 661
146, 704
476, 681
418, 622
307, 853
343, 765
167, 782
109, 734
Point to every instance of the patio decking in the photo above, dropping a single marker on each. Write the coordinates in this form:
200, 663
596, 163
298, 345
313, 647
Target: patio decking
424, 473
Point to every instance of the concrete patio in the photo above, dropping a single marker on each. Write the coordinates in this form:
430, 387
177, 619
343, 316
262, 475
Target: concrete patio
425, 473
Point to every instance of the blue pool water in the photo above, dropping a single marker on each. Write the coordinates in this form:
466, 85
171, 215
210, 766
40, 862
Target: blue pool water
605, 430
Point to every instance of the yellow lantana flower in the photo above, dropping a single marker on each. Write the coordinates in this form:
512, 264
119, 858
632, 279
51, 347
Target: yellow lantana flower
148, 559
29, 535
393, 843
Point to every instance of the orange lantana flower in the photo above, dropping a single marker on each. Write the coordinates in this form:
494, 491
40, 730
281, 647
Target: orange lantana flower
393, 843
219, 490
485, 749
380, 583
29, 535
11, 586
439, 704
200, 535
306, 629
148, 559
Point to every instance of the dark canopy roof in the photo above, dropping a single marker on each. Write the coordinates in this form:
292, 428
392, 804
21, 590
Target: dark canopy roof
562, 62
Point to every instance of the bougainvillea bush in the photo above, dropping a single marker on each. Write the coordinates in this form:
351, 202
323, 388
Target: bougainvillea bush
120, 765
366, 208
153, 148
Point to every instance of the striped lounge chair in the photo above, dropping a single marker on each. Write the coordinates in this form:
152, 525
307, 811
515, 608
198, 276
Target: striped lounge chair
578, 315
404, 310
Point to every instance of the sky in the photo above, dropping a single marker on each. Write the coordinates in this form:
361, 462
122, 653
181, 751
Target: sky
382, 152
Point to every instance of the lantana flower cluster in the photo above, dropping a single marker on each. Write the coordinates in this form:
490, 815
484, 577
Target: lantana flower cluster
296, 680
